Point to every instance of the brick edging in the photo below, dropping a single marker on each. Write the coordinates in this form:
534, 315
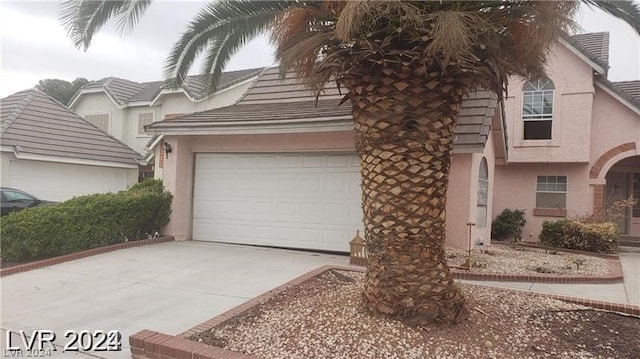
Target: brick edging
73, 256
147, 344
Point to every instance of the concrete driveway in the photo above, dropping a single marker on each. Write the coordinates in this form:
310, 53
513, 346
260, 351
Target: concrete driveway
168, 287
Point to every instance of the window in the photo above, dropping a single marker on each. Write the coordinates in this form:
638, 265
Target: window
537, 109
13, 196
636, 194
551, 192
144, 119
100, 121
483, 194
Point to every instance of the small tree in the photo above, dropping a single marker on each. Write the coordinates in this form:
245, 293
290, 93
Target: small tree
61, 90
508, 225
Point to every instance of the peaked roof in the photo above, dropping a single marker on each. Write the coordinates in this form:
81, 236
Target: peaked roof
125, 91
594, 45
273, 101
629, 90
37, 125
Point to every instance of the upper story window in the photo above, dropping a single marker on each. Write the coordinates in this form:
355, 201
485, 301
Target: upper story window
483, 194
101, 121
537, 109
551, 192
144, 119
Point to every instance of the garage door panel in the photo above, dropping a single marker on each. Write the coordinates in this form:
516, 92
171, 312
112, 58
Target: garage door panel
305, 200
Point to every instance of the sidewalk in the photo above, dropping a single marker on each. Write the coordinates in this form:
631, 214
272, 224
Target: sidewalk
627, 292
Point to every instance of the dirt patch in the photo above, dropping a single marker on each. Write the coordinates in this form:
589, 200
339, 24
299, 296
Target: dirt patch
322, 318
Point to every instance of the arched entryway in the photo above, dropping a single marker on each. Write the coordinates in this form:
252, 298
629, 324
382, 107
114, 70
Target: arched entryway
623, 181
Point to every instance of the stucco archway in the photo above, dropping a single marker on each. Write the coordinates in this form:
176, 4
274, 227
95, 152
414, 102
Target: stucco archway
622, 182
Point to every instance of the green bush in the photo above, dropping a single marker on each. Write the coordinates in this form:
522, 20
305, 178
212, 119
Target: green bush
84, 222
148, 185
508, 225
593, 237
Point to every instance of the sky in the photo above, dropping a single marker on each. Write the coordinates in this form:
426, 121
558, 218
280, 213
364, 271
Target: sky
34, 45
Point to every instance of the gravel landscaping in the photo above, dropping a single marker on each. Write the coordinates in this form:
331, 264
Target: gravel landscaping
522, 260
322, 318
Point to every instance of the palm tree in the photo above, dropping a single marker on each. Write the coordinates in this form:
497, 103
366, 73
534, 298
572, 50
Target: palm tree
406, 66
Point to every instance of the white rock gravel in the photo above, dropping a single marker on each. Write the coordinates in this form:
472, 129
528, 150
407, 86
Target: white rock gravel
322, 318
533, 261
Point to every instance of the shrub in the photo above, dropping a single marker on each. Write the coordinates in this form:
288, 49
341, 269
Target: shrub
148, 185
84, 222
508, 225
593, 237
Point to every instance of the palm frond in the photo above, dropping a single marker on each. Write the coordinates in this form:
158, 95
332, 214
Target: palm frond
628, 11
82, 19
220, 29
130, 13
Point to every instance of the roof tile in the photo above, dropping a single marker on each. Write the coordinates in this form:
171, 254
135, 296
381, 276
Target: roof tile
37, 124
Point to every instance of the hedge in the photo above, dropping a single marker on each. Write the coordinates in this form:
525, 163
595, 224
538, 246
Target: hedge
85, 222
593, 237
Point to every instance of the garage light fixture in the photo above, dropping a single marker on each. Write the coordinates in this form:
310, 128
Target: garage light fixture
167, 149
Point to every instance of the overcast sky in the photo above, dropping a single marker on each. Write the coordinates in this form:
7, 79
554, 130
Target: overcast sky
34, 45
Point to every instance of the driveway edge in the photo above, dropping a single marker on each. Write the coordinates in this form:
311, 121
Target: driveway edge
73, 256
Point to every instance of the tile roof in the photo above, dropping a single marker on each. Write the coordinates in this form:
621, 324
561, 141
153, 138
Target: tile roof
271, 99
125, 91
594, 45
36, 124
629, 90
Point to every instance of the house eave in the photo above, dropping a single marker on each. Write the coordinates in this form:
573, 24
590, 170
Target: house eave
617, 96
76, 161
598, 68
342, 123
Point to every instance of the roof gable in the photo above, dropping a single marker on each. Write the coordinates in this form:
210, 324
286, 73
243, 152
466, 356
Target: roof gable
594, 45
35, 124
124, 92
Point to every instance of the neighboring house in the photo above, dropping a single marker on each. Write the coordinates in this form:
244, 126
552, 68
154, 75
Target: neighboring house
122, 108
51, 152
278, 169
574, 140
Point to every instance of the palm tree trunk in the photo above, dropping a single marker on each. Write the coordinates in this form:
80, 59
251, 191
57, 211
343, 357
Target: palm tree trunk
404, 123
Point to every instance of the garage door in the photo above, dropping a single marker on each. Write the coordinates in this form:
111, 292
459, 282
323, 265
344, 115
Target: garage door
285, 200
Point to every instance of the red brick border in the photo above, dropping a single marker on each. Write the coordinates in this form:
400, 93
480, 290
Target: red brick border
73, 256
148, 344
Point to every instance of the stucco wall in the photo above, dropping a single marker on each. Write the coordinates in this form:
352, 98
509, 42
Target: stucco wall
61, 181
515, 188
614, 124
571, 126
226, 97
4, 167
97, 104
130, 133
459, 201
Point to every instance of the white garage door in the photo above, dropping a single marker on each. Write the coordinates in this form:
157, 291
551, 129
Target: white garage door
60, 181
284, 200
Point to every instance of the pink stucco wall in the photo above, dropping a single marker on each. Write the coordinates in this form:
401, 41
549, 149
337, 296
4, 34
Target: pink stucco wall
515, 188
613, 124
573, 100
462, 197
